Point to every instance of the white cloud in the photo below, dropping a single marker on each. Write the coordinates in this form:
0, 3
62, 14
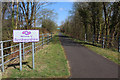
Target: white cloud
61, 9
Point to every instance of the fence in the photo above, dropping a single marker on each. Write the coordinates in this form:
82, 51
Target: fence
20, 49
112, 42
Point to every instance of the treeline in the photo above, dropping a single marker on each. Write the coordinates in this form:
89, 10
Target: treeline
26, 15
94, 20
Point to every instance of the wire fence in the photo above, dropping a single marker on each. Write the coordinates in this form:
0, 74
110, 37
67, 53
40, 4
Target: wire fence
10, 50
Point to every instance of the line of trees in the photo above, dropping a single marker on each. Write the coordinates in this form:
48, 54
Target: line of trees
26, 15
93, 20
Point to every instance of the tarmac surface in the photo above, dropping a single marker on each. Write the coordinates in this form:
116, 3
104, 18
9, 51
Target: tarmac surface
85, 63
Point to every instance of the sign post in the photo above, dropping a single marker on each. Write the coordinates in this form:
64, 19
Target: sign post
25, 36
23, 51
33, 50
20, 56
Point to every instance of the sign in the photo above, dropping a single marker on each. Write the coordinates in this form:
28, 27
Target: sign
25, 35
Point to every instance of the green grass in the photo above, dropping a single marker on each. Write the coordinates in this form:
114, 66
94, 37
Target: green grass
107, 53
50, 62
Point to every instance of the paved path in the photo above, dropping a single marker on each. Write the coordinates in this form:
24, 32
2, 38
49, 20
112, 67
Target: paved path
86, 64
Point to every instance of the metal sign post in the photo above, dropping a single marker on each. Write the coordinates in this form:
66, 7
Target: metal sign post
20, 56
33, 48
23, 51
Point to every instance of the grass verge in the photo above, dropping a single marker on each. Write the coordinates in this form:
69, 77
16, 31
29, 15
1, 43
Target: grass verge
50, 62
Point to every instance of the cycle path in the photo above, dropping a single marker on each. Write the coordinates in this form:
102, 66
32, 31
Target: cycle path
85, 63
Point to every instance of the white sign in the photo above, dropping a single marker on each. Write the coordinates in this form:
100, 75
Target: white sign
25, 35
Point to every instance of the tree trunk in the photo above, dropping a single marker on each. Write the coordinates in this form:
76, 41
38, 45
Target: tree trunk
17, 15
13, 14
106, 27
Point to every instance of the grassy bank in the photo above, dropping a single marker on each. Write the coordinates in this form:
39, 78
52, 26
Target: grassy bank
107, 53
50, 62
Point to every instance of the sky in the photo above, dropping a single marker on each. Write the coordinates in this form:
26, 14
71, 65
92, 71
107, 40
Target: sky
62, 9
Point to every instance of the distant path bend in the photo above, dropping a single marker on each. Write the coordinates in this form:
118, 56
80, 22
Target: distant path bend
86, 64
